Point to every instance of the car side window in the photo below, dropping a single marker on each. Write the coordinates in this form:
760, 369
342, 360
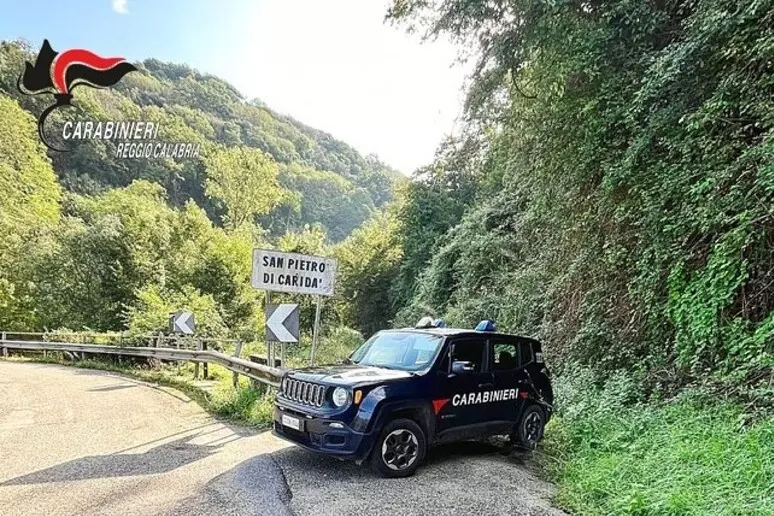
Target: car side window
470, 350
525, 349
506, 356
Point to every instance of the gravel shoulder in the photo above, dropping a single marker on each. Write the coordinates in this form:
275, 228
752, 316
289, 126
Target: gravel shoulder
81, 442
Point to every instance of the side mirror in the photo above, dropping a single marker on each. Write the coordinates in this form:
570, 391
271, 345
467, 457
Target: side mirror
462, 367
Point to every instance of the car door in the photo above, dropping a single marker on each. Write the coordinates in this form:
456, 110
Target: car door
510, 355
460, 409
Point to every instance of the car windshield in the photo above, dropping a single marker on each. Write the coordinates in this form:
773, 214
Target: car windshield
406, 351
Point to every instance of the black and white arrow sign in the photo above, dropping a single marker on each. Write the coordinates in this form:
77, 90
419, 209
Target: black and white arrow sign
182, 322
282, 323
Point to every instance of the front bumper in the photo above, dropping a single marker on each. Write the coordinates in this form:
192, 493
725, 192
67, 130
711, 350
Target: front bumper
316, 434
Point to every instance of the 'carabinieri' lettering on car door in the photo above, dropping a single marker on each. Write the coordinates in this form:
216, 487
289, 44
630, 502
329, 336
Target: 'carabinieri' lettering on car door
472, 398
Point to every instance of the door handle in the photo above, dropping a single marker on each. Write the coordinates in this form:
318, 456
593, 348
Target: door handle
486, 385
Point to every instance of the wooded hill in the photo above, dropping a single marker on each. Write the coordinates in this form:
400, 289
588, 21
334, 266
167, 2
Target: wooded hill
329, 182
613, 192
91, 241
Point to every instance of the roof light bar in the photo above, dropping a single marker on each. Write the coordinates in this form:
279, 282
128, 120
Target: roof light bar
486, 325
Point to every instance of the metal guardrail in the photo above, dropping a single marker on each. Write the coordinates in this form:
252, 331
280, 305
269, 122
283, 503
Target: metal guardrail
122, 339
258, 372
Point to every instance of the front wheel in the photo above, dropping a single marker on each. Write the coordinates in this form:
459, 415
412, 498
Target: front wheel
529, 430
400, 449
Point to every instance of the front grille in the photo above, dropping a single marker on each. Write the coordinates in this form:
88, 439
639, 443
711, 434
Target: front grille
304, 392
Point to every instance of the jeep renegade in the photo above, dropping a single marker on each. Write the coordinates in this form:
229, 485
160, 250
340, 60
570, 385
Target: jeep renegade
405, 390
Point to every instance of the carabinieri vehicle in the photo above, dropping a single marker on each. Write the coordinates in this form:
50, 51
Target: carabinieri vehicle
405, 390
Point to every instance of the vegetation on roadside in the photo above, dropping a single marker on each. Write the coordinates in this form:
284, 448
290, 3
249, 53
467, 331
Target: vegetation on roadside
612, 452
611, 193
98, 243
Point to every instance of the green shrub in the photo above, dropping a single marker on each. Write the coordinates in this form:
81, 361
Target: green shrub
692, 455
338, 344
249, 404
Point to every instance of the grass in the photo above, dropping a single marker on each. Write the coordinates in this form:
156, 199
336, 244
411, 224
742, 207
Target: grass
336, 345
690, 456
244, 404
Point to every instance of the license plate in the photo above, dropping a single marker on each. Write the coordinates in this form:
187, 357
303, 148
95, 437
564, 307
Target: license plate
291, 422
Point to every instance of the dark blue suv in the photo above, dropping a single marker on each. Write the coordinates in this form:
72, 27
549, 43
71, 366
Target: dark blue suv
404, 390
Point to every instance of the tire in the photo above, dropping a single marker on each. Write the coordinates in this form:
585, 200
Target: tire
400, 449
529, 430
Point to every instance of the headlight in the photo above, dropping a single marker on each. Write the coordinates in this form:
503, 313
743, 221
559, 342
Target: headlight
340, 396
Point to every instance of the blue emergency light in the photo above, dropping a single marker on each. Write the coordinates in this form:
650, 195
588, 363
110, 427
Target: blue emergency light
486, 325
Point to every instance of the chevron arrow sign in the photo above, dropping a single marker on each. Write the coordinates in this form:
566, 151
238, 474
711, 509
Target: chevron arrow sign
182, 322
282, 323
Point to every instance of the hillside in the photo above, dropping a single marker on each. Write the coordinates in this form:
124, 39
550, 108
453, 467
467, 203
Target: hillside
95, 241
612, 196
191, 106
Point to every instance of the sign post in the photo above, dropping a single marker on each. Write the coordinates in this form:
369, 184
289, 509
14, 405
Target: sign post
275, 271
269, 343
316, 332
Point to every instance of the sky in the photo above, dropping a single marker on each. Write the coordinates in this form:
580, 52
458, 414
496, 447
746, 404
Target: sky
331, 64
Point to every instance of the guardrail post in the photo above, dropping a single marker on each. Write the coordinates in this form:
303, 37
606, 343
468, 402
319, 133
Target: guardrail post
155, 362
237, 352
177, 345
205, 365
5, 350
196, 364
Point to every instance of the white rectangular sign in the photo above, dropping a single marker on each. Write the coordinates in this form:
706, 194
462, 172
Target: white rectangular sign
291, 272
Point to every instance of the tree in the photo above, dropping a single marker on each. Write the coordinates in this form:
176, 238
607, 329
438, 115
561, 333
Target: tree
29, 206
245, 181
369, 262
27, 182
624, 185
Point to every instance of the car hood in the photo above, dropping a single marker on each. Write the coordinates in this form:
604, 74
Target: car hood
348, 374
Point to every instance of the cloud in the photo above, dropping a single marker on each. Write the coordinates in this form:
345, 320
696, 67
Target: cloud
119, 6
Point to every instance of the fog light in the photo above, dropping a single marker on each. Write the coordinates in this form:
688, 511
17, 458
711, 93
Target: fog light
335, 425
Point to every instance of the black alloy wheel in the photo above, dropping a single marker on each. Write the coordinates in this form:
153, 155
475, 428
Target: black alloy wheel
400, 449
529, 430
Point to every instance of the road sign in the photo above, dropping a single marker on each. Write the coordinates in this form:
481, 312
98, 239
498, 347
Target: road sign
182, 322
294, 273
282, 323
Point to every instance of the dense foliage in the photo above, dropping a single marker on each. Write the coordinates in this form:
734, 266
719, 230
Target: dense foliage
193, 107
623, 184
612, 193
91, 241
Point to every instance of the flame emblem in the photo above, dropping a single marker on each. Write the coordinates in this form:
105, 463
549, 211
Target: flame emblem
58, 74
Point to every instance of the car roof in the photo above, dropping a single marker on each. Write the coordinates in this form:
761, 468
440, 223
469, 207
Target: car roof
449, 332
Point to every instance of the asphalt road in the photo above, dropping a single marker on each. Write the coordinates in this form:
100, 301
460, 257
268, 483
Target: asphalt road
81, 442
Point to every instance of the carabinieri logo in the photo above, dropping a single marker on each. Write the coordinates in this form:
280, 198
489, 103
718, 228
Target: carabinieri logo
59, 74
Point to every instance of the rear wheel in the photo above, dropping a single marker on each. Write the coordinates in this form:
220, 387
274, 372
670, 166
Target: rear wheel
529, 430
400, 449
